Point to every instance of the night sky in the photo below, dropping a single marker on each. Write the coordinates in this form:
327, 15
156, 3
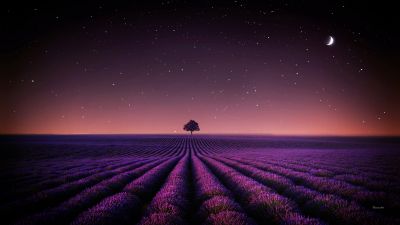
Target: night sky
234, 67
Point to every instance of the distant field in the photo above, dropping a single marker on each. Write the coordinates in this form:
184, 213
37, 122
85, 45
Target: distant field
156, 179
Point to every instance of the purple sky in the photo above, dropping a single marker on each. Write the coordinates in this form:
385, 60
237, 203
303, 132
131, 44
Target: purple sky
233, 68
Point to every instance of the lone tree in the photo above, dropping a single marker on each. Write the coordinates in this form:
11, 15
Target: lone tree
191, 126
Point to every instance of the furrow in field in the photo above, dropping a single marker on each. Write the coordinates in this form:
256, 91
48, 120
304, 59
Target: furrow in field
42, 172
316, 166
260, 201
347, 165
108, 200
309, 200
374, 181
215, 203
52, 197
171, 201
358, 178
30, 189
329, 186
365, 195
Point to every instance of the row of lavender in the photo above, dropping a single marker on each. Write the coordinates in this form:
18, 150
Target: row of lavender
324, 187
63, 157
374, 169
31, 173
42, 184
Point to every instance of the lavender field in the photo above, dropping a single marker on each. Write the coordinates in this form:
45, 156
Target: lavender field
155, 179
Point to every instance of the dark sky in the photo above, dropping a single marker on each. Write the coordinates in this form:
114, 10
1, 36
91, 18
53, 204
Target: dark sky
235, 67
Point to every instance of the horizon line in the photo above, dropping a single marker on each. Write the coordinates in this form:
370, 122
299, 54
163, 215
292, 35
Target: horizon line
199, 134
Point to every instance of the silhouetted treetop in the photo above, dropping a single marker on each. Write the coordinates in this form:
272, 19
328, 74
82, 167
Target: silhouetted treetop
191, 126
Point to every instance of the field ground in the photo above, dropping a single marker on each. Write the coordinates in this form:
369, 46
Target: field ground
156, 179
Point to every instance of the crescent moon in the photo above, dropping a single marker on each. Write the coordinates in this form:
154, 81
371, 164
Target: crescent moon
331, 41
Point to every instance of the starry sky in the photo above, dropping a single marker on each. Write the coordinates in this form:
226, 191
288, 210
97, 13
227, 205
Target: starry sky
234, 67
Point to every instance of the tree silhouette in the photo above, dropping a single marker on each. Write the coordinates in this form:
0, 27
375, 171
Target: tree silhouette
191, 126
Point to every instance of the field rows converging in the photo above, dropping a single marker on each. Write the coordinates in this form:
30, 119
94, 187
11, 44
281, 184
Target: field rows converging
157, 179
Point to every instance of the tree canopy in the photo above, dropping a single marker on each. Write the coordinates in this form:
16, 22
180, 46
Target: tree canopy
191, 126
